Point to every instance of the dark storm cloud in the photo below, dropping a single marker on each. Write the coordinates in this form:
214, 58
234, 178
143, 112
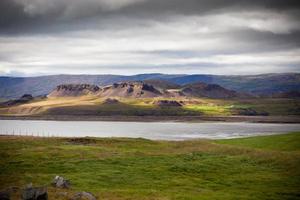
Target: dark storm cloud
17, 15
137, 36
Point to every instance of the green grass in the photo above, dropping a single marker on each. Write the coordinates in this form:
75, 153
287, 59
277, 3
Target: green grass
287, 142
118, 168
218, 110
271, 106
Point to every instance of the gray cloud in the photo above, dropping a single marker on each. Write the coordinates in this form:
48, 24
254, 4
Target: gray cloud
137, 36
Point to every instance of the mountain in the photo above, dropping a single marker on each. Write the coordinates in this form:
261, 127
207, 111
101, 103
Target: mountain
139, 89
264, 84
200, 89
162, 84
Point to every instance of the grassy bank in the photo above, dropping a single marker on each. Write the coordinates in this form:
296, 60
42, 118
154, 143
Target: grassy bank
265, 167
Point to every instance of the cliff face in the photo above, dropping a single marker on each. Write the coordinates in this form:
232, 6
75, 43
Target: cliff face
74, 90
140, 89
130, 89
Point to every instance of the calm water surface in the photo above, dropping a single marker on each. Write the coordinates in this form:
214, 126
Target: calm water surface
149, 130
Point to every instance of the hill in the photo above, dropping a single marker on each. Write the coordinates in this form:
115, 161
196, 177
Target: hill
139, 89
265, 84
130, 89
200, 89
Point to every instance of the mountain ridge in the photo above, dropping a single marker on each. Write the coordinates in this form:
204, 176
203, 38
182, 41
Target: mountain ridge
262, 84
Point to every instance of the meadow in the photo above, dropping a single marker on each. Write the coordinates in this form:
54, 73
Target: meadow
265, 167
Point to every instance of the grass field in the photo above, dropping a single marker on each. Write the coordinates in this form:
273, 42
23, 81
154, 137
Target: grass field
266, 167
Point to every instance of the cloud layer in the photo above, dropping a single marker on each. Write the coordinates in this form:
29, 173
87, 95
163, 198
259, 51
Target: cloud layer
143, 36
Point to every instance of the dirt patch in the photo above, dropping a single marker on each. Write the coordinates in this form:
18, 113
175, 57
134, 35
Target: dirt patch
82, 141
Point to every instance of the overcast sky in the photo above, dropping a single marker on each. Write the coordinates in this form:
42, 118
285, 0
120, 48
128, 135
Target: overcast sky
148, 36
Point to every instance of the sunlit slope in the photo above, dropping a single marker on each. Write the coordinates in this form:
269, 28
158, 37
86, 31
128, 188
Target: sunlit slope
95, 105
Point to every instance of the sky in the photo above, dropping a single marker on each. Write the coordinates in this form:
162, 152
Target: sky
230, 37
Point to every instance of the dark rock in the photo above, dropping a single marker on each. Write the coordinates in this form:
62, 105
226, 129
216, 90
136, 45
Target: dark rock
148, 87
60, 182
167, 103
110, 101
5, 195
74, 90
78, 87
34, 193
83, 196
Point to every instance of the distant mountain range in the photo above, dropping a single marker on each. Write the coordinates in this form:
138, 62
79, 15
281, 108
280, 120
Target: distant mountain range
264, 84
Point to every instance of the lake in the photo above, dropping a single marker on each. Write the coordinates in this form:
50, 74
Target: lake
148, 130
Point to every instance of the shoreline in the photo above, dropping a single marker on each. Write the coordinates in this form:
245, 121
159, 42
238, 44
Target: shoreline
250, 119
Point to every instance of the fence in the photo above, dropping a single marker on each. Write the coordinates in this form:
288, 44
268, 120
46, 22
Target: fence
13, 132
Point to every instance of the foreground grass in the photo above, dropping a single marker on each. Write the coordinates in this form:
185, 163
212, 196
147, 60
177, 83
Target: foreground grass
252, 168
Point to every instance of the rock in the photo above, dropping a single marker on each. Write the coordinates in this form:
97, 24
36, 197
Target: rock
167, 103
5, 195
83, 196
34, 193
60, 182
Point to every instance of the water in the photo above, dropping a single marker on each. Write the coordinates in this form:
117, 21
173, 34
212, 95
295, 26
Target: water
148, 130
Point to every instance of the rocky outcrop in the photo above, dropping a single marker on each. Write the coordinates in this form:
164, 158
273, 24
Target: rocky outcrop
5, 195
34, 193
130, 89
60, 182
167, 103
140, 89
74, 90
